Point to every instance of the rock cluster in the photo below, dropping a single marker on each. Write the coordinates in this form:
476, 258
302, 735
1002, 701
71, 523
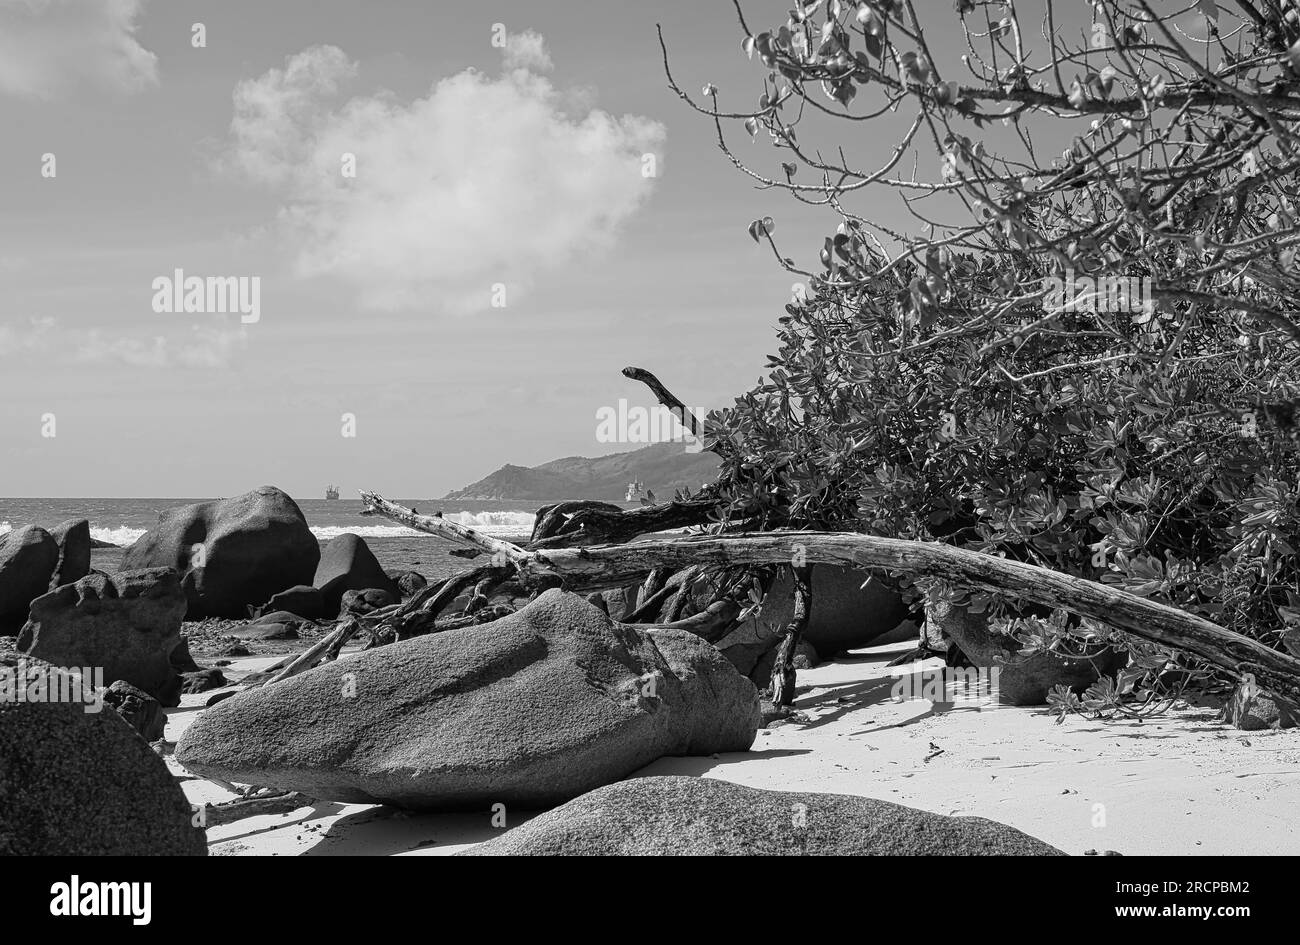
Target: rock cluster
231, 553
33, 561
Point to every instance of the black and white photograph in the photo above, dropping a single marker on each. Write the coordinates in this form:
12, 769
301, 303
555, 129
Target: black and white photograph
745, 428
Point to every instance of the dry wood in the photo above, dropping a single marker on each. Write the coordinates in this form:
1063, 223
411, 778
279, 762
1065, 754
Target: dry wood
655, 582
310, 657
783, 675
1145, 619
685, 583
551, 518
283, 802
610, 566
712, 623
437, 525
422, 616
665, 397
601, 526
652, 605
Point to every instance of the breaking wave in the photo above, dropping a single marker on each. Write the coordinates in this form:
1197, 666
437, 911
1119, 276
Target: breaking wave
497, 524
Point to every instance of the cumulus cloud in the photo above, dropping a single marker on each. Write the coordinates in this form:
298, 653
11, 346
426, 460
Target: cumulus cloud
487, 179
49, 47
205, 347
526, 50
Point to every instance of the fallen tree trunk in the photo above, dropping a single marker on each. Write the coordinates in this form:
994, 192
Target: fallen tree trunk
437, 525
610, 566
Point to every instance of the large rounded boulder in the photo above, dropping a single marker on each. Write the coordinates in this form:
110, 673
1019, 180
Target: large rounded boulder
231, 553
530, 710
850, 609
74, 542
28, 558
348, 564
77, 780
127, 626
680, 816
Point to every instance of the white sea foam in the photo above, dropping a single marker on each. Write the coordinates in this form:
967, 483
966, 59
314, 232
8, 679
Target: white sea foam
519, 521
121, 535
489, 523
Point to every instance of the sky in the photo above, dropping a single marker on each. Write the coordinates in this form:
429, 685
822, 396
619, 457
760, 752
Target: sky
531, 210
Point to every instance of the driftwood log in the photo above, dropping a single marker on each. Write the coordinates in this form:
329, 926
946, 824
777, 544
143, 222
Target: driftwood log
603, 567
278, 802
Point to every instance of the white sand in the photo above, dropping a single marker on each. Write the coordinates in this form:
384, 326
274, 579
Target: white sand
1181, 784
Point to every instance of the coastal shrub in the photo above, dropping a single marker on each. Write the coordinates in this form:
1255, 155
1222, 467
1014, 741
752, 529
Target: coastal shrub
1083, 352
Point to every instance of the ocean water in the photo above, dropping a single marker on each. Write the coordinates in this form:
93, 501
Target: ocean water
122, 521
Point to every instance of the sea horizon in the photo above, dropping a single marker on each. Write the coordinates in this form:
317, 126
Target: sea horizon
120, 520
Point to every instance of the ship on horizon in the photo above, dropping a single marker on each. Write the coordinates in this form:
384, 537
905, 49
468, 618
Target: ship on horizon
331, 492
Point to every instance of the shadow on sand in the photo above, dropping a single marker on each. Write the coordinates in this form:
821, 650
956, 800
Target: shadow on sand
386, 831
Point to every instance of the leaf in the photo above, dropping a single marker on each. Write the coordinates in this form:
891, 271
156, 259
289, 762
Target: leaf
1076, 96
945, 93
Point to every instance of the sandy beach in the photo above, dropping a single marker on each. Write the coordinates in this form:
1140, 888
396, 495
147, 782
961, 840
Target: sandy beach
740, 429
1183, 783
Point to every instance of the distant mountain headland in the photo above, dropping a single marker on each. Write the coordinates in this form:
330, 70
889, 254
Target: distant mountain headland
662, 467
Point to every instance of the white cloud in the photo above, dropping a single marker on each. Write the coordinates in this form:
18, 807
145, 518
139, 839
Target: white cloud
485, 180
526, 50
32, 335
48, 47
204, 348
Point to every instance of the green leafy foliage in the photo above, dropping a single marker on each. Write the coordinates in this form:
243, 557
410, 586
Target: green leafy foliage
1162, 476
933, 385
